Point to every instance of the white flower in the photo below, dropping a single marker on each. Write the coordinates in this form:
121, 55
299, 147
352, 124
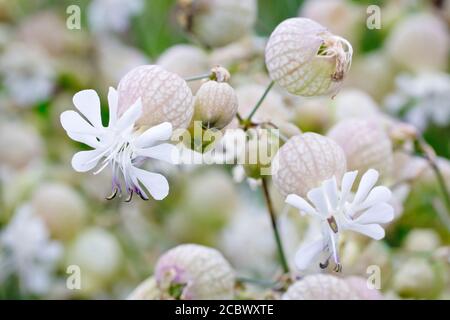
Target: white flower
112, 15
119, 144
28, 251
423, 98
28, 74
337, 212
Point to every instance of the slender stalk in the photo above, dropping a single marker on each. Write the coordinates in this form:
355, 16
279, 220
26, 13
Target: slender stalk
427, 151
260, 101
273, 219
441, 181
198, 77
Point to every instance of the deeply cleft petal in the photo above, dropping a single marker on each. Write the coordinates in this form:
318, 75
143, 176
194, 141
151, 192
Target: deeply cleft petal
88, 103
86, 160
346, 186
72, 122
317, 198
165, 152
130, 116
380, 213
368, 180
113, 100
331, 192
374, 231
301, 204
308, 253
157, 133
377, 195
87, 139
155, 183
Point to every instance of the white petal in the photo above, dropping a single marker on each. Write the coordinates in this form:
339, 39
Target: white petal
308, 253
129, 118
317, 198
74, 123
113, 100
87, 139
331, 191
165, 152
161, 132
301, 204
380, 213
83, 161
368, 180
378, 194
375, 231
155, 183
88, 102
347, 182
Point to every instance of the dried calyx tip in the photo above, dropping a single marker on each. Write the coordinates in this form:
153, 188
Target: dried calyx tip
220, 74
335, 46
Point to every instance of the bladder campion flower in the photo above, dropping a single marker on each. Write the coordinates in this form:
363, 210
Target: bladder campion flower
119, 145
338, 211
165, 96
306, 160
306, 59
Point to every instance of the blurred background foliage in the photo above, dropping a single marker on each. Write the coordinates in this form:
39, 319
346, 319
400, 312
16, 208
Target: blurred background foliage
153, 31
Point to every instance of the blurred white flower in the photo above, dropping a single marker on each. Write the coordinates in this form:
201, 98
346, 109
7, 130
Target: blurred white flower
337, 213
119, 144
28, 250
28, 74
425, 97
115, 59
112, 15
262, 260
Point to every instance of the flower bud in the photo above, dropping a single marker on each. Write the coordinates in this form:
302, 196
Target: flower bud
306, 160
20, 145
346, 101
420, 42
216, 23
306, 59
215, 104
191, 271
165, 96
422, 240
419, 278
262, 145
365, 143
61, 208
114, 59
313, 114
320, 287
97, 253
377, 67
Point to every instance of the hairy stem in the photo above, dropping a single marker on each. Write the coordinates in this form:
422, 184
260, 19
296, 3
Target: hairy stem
276, 232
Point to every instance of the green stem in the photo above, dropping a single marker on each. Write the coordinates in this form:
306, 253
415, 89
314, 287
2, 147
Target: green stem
260, 101
427, 151
441, 181
273, 219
